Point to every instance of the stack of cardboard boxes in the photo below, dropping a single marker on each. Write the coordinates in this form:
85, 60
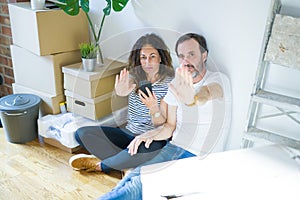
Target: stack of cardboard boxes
44, 41
47, 63
90, 94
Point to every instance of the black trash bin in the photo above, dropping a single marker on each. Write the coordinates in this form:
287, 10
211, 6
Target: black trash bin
19, 114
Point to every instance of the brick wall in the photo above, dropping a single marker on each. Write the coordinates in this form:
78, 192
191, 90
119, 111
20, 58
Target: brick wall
6, 68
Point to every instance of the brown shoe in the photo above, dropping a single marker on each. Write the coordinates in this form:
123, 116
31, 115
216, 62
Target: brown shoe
84, 162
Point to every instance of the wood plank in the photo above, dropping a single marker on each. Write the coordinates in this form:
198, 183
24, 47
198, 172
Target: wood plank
284, 43
40, 171
277, 100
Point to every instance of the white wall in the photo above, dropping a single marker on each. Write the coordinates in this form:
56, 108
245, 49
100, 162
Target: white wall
234, 30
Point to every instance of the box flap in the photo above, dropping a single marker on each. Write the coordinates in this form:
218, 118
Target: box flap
110, 68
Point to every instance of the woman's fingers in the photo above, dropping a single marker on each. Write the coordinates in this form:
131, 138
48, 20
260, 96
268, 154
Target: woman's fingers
117, 80
134, 145
142, 94
142, 97
124, 75
150, 94
136, 142
148, 142
131, 147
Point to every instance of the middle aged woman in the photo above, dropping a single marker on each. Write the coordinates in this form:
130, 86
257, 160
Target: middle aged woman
149, 61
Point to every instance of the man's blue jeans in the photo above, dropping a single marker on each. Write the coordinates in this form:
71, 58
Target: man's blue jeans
130, 187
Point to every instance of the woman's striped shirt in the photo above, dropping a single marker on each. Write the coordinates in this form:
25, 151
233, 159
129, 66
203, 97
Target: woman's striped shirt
139, 119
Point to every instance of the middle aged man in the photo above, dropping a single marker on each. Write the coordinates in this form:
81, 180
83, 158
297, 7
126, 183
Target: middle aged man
200, 100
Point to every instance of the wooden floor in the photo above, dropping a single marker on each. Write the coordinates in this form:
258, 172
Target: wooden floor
40, 171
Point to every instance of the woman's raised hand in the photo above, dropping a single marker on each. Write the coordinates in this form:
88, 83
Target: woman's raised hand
123, 85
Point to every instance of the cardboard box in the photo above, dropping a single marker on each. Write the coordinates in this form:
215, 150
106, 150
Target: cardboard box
55, 143
92, 108
49, 104
42, 73
62, 127
58, 130
92, 84
46, 32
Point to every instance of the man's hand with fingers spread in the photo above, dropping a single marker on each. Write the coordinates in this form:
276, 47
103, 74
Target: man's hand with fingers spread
182, 86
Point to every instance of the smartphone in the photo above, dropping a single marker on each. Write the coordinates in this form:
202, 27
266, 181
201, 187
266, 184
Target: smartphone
143, 87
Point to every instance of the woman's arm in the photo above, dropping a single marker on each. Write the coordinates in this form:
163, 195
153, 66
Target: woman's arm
161, 133
167, 129
157, 112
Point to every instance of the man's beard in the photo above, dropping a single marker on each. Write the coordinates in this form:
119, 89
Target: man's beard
195, 73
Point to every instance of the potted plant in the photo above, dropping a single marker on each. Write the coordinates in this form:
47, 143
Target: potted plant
71, 7
88, 55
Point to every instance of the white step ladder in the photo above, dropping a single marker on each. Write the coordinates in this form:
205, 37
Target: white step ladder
281, 47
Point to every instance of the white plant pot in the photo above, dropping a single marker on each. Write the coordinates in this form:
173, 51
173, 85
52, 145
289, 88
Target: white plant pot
37, 4
89, 65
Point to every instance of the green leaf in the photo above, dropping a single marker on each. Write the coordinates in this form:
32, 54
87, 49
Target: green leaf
85, 5
118, 5
107, 9
71, 7
88, 50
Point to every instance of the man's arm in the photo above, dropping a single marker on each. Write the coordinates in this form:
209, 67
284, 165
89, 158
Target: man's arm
206, 93
184, 91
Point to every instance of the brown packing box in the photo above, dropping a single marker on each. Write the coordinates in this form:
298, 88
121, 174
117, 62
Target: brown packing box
46, 32
92, 108
57, 144
49, 104
42, 73
92, 84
